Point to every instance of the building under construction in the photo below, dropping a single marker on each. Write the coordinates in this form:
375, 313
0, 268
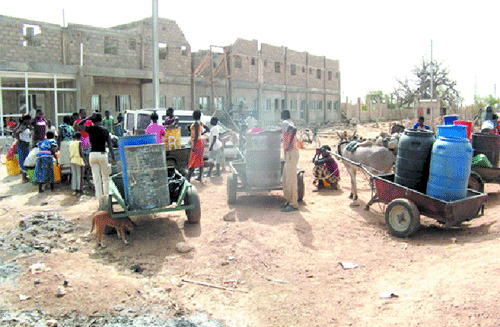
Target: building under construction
63, 68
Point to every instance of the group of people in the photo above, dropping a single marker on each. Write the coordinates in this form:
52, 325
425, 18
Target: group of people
198, 129
84, 140
81, 140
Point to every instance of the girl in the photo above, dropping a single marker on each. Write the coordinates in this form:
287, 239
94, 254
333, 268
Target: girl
77, 163
44, 169
23, 136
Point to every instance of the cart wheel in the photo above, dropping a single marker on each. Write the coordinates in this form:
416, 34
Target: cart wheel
476, 182
402, 218
300, 185
191, 197
232, 183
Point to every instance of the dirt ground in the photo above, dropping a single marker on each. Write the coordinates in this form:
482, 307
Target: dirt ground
279, 269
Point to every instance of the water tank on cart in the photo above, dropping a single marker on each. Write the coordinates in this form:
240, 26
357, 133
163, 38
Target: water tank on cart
263, 159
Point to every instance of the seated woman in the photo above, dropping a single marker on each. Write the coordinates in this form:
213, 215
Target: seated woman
326, 172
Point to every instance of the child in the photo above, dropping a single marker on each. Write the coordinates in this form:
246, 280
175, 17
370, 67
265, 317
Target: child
77, 163
44, 169
215, 147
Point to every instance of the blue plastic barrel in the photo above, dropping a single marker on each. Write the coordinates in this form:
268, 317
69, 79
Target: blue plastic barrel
449, 171
127, 141
449, 119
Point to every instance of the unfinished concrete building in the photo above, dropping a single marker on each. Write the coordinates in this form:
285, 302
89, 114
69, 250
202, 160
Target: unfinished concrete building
61, 69
263, 81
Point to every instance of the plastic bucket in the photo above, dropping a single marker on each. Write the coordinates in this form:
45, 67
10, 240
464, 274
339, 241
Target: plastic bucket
449, 119
467, 124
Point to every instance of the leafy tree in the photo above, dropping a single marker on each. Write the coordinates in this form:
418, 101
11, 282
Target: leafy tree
375, 97
490, 100
420, 86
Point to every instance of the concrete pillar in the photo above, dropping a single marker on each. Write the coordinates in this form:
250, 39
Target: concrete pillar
84, 89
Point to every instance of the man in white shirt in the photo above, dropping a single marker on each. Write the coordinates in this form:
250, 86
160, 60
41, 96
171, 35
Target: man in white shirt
215, 147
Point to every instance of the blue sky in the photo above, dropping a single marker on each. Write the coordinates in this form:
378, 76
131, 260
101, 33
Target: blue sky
375, 41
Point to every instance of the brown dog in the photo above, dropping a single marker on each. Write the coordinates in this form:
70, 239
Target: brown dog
101, 219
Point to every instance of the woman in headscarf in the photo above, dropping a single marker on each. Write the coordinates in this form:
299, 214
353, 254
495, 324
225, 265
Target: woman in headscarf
326, 171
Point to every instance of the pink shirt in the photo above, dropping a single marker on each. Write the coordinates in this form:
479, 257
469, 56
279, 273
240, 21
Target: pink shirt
159, 130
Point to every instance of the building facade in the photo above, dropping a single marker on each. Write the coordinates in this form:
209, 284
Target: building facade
60, 69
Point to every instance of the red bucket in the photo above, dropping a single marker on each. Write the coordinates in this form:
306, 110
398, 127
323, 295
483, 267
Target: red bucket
468, 124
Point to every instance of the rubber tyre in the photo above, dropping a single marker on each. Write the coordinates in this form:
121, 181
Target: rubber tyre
231, 188
476, 183
300, 186
191, 197
402, 218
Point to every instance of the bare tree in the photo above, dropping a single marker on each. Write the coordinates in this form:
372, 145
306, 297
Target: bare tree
443, 87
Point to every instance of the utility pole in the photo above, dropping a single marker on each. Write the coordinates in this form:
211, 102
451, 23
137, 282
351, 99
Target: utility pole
212, 93
432, 76
156, 59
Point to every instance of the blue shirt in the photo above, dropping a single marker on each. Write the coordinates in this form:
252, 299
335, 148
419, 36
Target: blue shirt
417, 126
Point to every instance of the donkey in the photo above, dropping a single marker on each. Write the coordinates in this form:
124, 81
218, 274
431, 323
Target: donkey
376, 159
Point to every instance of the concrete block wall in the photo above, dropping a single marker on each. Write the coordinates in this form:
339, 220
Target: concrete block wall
49, 49
271, 55
247, 52
93, 40
177, 61
299, 60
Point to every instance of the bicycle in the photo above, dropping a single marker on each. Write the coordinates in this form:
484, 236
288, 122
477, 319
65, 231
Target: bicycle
307, 137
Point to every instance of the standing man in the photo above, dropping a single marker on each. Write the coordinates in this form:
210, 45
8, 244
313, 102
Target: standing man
291, 152
108, 122
98, 158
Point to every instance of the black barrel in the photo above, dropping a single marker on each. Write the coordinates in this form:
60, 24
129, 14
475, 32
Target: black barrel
487, 144
413, 160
